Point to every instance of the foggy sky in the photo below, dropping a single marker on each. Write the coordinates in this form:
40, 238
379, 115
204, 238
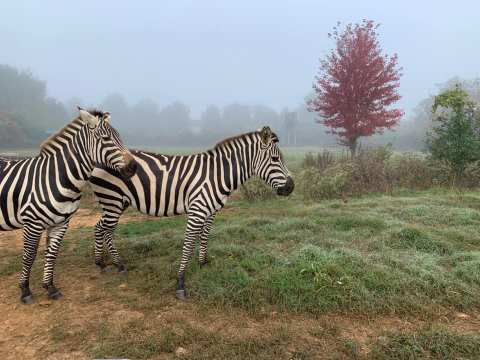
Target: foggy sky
203, 52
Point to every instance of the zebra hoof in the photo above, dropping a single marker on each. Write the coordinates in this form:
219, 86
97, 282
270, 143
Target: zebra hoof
55, 295
204, 263
27, 300
122, 269
101, 265
123, 272
181, 295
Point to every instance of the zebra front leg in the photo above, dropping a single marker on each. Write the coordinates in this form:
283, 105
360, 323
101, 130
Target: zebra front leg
98, 252
31, 237
202, 256
194, 227
54, 240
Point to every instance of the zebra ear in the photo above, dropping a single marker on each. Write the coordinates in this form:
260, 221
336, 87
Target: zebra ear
266, 135
88, 118
106, 117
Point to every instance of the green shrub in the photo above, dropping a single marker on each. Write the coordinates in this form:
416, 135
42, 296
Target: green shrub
256, 190
409, 171
327, 176
331, 183
368, 171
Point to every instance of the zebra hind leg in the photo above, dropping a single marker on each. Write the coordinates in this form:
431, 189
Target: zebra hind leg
55, 236
121, 268
202, 256
31, 237
195, 225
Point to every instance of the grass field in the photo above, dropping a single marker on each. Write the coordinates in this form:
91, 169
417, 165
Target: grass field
385, 277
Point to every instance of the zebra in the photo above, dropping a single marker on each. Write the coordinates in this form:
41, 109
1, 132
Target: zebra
198, 185
42, 193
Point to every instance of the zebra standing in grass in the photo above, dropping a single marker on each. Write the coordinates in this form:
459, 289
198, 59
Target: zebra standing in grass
198, 185
43, 192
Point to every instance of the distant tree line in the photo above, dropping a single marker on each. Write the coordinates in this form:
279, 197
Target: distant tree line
26, 112
28, 115
145, 123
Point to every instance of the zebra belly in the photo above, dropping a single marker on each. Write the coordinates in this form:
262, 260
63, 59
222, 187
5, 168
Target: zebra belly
9, 223
148, 195
4, 226
9, 218
48, 218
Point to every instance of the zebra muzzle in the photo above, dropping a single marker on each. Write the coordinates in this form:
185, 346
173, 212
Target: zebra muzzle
129, 169
286, 189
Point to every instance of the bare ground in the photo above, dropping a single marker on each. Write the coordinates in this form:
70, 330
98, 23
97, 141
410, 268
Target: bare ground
29, 332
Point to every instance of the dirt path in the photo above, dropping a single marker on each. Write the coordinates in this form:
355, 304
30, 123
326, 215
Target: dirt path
48, 329
24, 329
83, 218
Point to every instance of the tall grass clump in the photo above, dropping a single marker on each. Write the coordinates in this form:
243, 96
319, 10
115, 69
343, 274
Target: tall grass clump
328, 175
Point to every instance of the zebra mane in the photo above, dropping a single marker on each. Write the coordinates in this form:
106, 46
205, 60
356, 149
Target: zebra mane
217, 145
242, 136
96, 112
233, 138
70, 126
73, 125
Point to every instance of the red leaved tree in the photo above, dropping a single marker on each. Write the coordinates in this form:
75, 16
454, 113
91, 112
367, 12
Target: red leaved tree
356, 85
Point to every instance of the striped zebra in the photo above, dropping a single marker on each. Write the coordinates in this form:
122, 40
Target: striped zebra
43, 192
198, 185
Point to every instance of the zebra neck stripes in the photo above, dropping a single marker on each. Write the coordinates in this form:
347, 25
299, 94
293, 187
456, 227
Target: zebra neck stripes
74, 145
233, 165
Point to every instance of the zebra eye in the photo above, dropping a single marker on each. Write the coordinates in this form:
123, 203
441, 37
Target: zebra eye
275, 158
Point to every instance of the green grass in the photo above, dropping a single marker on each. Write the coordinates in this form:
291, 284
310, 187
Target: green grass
414, 256
148, 227
10, 263
433, 343
202, 344
406, 254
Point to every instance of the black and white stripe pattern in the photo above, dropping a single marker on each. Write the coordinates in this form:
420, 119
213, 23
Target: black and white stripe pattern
43, 192
198, 185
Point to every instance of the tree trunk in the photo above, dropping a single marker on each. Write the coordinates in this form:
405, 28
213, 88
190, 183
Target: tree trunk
353, 147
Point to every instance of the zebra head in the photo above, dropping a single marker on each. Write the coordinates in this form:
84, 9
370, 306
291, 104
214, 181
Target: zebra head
269, 163
106, 147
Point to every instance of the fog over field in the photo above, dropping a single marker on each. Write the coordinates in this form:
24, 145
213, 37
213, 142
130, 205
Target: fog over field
162, 63
345, 226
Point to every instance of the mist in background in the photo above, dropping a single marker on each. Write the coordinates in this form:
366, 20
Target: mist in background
177, 73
